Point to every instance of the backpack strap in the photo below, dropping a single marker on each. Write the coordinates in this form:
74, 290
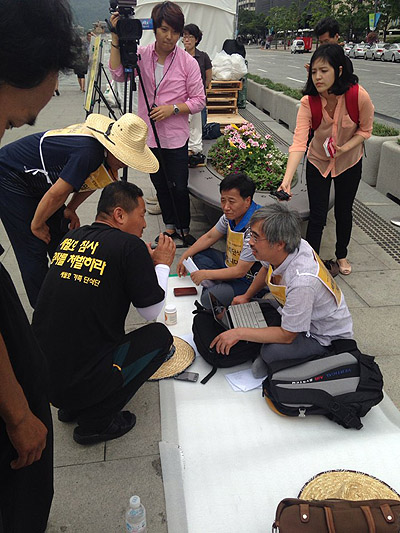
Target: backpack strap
339, 411
351, 98
316, 110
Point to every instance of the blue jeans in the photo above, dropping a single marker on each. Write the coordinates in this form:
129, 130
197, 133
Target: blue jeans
225, 291
16, 213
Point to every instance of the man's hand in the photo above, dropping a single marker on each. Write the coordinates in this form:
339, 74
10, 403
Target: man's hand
180, 269
199, 276
29, 440
161, 112
114, 19
224, 341
73, 218
240, 299
165, 252
41, 232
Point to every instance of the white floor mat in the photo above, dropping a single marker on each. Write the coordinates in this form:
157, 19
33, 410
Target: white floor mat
228, 460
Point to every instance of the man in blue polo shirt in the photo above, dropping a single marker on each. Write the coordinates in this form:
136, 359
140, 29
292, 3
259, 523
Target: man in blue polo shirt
230, 272
38, 173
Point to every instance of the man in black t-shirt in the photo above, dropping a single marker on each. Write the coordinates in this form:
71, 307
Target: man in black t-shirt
38, 172
37, 40
97, 272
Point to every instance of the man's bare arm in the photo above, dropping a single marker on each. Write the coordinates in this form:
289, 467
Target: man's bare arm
25, 431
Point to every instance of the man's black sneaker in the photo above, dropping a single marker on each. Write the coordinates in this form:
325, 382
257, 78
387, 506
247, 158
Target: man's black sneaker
189, 239
332, 267
67, 415
196, 160
122, 422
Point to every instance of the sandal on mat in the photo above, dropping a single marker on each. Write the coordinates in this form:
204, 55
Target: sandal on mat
344, 266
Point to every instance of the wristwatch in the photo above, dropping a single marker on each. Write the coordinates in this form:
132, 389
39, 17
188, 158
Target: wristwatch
176, 109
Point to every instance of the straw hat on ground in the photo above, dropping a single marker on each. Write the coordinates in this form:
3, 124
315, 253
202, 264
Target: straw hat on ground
346, 485
125, 139
182, 358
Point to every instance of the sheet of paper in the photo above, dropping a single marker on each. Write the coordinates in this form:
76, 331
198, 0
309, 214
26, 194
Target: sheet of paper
243, 380
190, 266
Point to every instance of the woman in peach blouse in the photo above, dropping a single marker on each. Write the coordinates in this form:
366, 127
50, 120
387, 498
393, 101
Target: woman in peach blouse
330, 78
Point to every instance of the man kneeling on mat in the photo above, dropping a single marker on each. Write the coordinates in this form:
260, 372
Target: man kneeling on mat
312, 307
96, 273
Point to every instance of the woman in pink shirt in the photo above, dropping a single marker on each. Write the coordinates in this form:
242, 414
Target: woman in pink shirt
330, 78
174, 87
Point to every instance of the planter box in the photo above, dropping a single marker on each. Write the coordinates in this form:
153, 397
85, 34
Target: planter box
277, 105
371, 160
254, 93
268, 101
389, 169
286, 110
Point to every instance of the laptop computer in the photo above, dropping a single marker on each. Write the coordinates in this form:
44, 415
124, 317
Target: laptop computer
248, 315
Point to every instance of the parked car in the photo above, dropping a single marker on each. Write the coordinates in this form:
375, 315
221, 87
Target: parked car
297, 46
347, 47
358, 50
375, 51
392, 53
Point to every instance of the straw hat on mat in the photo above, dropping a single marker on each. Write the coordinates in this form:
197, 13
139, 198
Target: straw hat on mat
346, 485
180, 360
125, 138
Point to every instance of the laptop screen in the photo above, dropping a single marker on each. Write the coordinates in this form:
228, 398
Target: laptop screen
219, 311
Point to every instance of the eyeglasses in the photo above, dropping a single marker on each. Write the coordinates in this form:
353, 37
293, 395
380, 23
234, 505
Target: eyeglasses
256, 237
188, 37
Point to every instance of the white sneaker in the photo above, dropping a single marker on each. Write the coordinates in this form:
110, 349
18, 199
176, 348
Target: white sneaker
154, 209
396, 221
151, 200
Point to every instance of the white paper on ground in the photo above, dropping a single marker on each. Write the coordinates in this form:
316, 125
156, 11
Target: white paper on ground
243, 381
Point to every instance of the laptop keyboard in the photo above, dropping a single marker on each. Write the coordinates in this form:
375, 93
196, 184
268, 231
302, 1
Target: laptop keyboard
247, 315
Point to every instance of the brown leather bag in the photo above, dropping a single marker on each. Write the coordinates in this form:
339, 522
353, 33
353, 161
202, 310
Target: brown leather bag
337, 516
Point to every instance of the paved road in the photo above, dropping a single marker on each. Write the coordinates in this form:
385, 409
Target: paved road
381, 80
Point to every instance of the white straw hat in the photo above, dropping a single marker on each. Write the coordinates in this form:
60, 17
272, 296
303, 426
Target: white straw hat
346, 485
181, 359
125, 138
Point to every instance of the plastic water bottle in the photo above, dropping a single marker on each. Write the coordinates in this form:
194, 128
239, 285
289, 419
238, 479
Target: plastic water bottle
136, 516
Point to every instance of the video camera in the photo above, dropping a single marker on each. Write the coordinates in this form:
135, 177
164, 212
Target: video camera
128, 29
124, 7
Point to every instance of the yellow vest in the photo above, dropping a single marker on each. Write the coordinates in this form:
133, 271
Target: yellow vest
279, 291
100, 177
234, 246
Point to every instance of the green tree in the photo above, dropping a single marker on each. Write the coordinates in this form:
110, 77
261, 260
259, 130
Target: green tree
319, 9
353, 17
251, 23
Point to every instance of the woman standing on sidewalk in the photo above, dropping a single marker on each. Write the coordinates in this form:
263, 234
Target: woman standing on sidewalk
330, 78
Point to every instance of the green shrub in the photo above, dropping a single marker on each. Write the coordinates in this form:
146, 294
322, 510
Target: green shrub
280, 87
381, 130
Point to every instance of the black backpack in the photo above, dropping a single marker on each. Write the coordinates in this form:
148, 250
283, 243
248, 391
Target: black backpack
205, 329
343, 385
212, 130
233, 46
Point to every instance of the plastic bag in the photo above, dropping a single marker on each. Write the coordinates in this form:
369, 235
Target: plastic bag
228, 67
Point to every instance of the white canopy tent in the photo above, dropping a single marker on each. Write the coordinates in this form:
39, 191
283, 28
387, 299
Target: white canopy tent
217, 22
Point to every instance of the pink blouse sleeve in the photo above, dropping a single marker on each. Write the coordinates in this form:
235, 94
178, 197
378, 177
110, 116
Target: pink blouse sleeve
303, 125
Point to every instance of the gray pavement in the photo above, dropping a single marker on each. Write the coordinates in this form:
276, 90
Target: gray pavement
93, 484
